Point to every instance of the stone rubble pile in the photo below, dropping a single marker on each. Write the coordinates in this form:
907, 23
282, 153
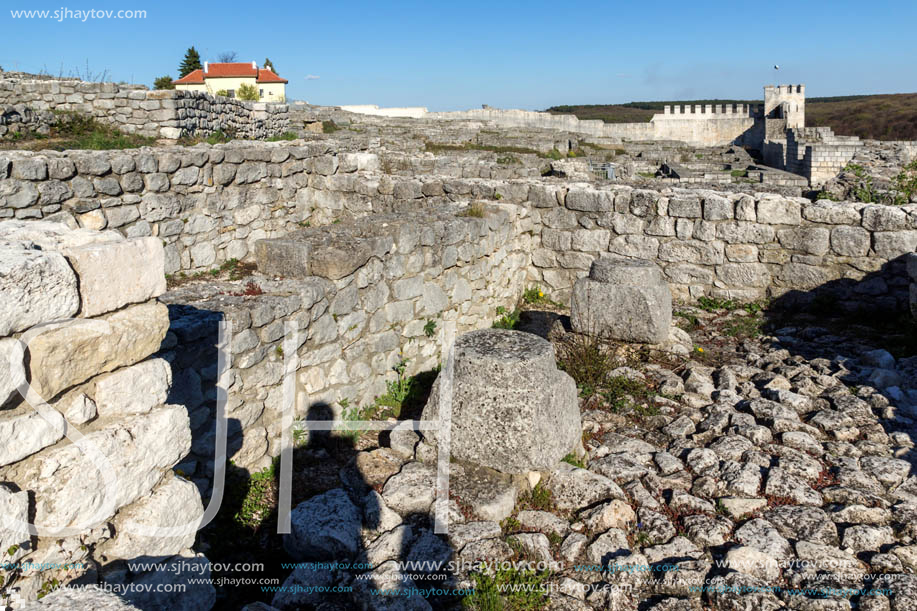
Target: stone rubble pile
774, 481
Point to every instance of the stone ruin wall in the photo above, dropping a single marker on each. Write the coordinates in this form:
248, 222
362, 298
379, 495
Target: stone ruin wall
815, 153
103, 385
401, 256
207, 205
212, 204
359, 314
698, 128
136, 110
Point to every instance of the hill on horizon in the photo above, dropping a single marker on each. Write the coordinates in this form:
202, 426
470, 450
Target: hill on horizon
878, 117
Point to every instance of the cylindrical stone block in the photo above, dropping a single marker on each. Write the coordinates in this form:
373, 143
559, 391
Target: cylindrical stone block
623, 299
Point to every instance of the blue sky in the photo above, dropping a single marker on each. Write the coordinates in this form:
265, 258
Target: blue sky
460, 55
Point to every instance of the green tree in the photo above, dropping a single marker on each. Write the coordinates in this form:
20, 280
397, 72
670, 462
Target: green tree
164, 82
191, 62
247, 92
270, 65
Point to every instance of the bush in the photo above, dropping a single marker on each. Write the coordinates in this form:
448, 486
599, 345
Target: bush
329, 127
248, 93
164, 82
222, 92
586, 359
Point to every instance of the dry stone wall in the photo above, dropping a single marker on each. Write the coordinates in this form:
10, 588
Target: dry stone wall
158, 114
211, 204
94, 380
732, 245
384, 290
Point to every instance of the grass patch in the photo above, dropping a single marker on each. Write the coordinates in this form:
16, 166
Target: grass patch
689, 322
405, 396
73, 130
507, 590
535, 295
587, 360
437, 147
739, 173
744, 327
329, 127
621, 391
538, 498
507, 320
259, 499
571, 459
647, 174
475, 210
508, 160
715, 304
283, 136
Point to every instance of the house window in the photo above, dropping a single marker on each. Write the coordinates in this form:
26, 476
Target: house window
261, 93
231, 93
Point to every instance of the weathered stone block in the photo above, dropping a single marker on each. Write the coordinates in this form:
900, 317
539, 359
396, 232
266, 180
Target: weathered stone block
35, 286
779, 212
512, 410
850, 241
134, 390
624, 299
138, 276
175, 507
81, 493
64, 356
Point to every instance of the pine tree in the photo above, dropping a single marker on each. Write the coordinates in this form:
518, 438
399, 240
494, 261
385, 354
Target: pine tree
191, 63
270, 66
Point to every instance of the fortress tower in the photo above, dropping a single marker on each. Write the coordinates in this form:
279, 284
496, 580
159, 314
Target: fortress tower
786, 102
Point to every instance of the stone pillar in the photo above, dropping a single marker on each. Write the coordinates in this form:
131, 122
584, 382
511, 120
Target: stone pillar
512, 409
624, 299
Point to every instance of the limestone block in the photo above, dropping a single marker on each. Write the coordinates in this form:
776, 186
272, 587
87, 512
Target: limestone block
134, 390
326, 526
512, 409
624, 299
70, 489
35, 286
175, 504
115, 274
69, 354
14, 506
24, 432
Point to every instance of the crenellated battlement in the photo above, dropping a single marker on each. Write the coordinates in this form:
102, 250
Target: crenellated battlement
719, 110
785, 89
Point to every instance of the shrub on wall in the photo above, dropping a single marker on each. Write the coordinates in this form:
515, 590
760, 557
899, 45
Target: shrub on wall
164, 82
223, 93
247, 92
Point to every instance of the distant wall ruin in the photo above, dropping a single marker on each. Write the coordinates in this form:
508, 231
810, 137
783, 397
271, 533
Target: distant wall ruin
158, 114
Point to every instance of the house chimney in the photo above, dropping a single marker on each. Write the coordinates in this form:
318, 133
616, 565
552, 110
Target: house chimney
205, 67
254, 66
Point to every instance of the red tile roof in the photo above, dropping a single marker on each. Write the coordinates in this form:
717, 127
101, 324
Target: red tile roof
266, 76
195, 77
233, 69
230, 70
